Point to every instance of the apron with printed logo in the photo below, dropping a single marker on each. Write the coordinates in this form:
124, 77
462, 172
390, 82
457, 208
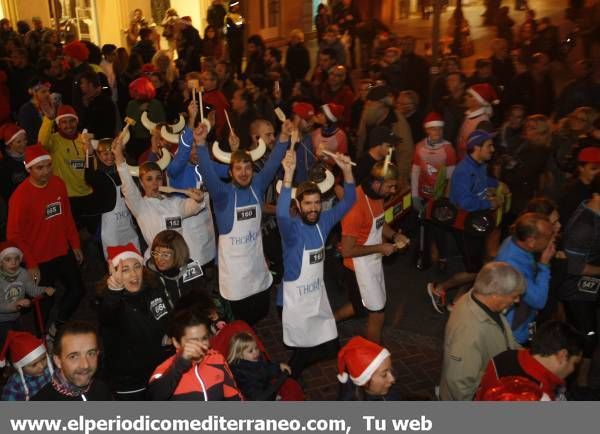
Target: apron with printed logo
369, 268
117, 226
243, 270
307, 317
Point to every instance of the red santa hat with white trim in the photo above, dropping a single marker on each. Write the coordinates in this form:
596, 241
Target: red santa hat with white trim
10, 248
359, 359
65, 111
117, 254
24, 349
10, 132
35, 154
333, 112
485, 94
433, 119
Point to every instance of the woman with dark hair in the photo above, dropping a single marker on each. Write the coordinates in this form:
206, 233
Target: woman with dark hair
368, 366
172, 268
212, 44
133, 321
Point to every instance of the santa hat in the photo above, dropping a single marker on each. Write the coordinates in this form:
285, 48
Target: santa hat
149, 68
9, 248
35, 154
359, 359
65, 111
77, 50
117, 254
433, 119
304, 110
10, 132
333, 112
485, 94
142, 89
24, 348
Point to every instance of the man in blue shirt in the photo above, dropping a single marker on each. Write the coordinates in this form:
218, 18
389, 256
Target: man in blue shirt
244, 278
308, 322
533, 235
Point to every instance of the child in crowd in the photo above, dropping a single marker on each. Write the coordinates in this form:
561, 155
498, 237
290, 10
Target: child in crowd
258, 379
15, 284
30, 359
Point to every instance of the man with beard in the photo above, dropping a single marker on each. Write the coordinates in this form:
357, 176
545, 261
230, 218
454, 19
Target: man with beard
363, 232
76, 359
308, 323
244, 278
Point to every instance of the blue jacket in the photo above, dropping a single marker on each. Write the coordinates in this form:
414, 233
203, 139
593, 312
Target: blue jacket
537, 278
223, 194
182, 173
469, 184
297, 235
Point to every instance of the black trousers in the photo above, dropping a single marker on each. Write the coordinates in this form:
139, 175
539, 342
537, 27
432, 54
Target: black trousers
64, 270
302, 358
252, 309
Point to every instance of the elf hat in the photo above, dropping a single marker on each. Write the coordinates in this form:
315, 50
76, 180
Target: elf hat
9, 248
433, 119
65, 111
10, 132
24, 349
333, 112
35, 154
117, 254
359, 359
484, 93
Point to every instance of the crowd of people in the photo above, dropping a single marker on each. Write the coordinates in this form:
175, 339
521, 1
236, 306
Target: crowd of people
211, 186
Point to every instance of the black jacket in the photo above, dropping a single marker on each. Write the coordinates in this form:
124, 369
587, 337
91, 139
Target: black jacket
98, 392
175, 284
254, 379
12, 173
133, 326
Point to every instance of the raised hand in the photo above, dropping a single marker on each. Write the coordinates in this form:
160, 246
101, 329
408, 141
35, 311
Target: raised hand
286, 130
548, 252
234, 142
200, 133
117, 148
115, 278
196, 194
289, 164
193, 350
192, 112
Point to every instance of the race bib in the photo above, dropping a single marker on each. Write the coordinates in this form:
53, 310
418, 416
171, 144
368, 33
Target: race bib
588, 285
158, 308
77, 164
193, 271
379, 222
173, 223
53, 209
246, 213
316, 257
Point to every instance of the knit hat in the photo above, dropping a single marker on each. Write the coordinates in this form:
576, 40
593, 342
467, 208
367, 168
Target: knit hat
142, 89
589, 155
359, 359
484, 93
433, 119
35, 154
11, 132
478, 138
9, 248
117, 254
77, 50
65, 111
333, 112
382, 134
304, 110
24, 349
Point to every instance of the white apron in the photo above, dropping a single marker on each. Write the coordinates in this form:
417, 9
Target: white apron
369, 268
117, 226
243, 270
198, 231
307, 317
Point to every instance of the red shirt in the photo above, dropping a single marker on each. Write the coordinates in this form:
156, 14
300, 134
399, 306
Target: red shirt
429, 160
344, 97
40, 221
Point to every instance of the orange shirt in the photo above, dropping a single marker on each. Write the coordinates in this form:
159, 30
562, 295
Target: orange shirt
357, 223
